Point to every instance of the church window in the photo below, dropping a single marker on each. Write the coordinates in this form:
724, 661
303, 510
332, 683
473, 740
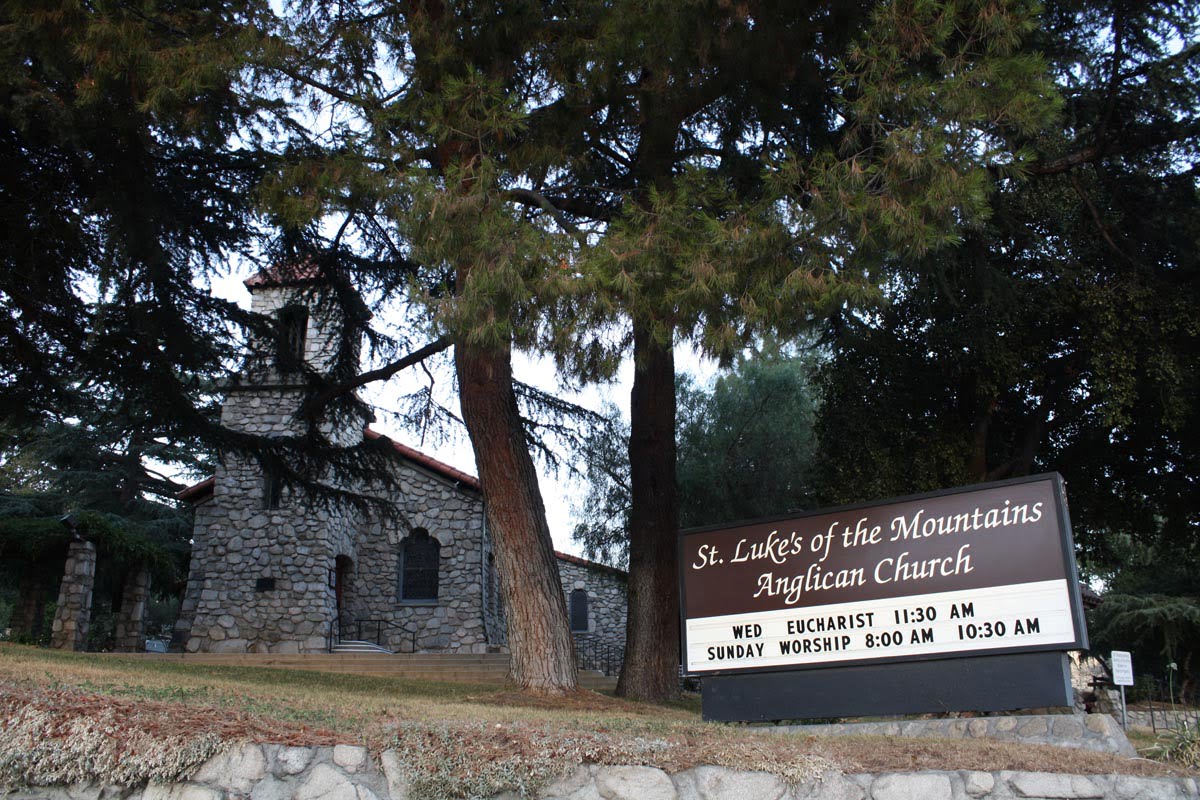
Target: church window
579, 611
272, 488
420, 555
293, 330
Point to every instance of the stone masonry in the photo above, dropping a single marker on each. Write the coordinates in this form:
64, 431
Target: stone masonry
277, 772
263, 560
130, 632
74, 613
453, 516
603, 643
27, 617
1096, 732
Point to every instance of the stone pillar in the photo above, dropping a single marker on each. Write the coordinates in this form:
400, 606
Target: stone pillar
75, 598
130, 633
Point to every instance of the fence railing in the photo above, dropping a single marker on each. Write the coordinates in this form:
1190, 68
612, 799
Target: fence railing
1158, 704
597, 654
374, 631
334, 635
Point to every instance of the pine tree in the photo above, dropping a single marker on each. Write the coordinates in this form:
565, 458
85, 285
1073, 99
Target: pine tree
757, 160
1059, 336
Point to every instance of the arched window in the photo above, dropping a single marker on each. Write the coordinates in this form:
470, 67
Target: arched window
419, 557
293, 330
579, 611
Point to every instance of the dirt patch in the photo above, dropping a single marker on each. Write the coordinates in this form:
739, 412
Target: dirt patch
159, 720
497, 737
673, 748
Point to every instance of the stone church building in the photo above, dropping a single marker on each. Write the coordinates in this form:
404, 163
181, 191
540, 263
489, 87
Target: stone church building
272, 573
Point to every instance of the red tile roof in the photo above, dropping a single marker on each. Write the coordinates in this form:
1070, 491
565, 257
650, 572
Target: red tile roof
284, 275
198, 491
430, 463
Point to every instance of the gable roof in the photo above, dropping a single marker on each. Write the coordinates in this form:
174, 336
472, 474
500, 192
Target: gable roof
197, 491
428, 462
592, 565
293, 274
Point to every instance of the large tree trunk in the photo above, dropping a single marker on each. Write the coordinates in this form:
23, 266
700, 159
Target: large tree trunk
543, 655
650, 671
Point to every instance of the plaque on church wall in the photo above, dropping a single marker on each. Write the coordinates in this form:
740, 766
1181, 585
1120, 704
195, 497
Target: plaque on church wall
987, 569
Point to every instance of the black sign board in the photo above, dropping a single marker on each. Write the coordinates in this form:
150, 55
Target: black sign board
984, 570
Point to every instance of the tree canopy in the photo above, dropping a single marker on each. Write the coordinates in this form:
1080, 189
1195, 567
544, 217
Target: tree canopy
746, 450
588, 178
1059, 336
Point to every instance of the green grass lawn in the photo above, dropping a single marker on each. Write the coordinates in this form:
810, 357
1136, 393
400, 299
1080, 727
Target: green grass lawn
50, 697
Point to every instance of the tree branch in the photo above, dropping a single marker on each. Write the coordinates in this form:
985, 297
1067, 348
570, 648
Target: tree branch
532, 199
1184, 55
1095, 214
316, 404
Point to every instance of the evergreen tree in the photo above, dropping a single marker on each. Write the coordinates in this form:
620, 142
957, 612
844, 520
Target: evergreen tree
745, 445
430, 189
121, 193
67, 472
700, 171
757, 160
1060, 335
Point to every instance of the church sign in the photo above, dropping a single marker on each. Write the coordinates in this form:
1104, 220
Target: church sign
982, 570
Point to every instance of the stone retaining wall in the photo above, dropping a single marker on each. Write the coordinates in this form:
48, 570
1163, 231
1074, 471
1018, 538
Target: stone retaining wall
276, 772
1098, 732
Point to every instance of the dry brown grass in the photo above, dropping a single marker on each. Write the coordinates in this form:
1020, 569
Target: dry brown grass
470, 725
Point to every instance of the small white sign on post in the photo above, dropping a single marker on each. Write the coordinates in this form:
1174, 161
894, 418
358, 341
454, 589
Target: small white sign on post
1122, 668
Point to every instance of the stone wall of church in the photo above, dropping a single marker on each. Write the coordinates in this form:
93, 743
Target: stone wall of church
262, 578
195, 580
606, 589
373, 598
290, 578
322, 331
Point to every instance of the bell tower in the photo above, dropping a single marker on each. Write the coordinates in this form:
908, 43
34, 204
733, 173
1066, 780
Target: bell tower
266, 563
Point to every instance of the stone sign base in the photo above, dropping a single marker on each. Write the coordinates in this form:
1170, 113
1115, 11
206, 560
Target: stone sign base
1097, 732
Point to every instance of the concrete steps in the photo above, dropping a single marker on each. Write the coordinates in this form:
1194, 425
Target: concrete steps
353, 646
486, 668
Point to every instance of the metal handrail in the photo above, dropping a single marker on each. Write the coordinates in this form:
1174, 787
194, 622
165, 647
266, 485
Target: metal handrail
364, 627
335, 634
597, 654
